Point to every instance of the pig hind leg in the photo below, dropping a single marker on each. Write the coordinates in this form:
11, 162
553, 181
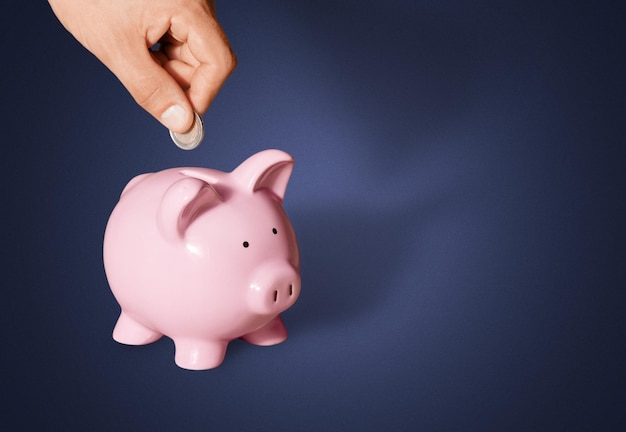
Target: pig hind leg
130, 332
271, 333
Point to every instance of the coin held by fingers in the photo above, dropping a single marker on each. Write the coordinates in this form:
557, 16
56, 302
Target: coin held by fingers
192, 138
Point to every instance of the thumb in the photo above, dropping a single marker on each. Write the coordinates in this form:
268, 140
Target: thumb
155, 90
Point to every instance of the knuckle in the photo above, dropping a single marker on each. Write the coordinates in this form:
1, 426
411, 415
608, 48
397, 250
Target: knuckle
226, 65
233, 61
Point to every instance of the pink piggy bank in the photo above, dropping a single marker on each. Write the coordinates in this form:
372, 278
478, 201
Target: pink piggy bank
204, 257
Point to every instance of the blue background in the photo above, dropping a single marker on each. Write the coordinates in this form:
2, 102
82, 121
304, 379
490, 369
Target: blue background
459, 198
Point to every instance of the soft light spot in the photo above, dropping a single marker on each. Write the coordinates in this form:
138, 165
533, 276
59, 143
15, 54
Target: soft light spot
194, 249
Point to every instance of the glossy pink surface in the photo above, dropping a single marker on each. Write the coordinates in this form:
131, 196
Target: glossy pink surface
204, 257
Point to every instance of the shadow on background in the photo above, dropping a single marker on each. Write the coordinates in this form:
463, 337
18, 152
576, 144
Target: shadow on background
349, 257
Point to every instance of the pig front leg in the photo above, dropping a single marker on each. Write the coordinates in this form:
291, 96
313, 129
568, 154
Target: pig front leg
195, 354
272, 333
130, 332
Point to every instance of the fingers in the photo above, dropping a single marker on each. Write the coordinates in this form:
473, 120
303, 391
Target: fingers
206, 82
185, 77
180, 51
210, 76
201, 43
154, 88
181, 72
202, 81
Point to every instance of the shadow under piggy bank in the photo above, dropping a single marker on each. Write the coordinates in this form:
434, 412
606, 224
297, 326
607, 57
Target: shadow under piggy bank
348, 261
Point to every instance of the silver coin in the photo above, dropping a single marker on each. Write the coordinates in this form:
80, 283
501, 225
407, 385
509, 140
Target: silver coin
192, 138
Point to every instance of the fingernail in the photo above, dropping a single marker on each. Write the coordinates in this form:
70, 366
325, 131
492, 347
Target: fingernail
174, 117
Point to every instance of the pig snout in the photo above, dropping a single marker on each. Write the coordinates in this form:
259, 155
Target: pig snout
274, 288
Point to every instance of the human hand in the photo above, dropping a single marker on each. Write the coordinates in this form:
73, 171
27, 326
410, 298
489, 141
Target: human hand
185, 75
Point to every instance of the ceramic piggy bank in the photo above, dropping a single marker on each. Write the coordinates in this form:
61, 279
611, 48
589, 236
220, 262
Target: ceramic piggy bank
204, 257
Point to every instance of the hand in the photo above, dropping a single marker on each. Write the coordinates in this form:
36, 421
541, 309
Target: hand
185, 75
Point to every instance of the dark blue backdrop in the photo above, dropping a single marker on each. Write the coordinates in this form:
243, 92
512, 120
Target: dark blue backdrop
459, 197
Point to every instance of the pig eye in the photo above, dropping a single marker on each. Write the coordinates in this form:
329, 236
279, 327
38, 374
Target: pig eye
274, 230
246, 244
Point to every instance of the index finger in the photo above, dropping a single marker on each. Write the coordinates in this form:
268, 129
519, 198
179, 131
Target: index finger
208, 46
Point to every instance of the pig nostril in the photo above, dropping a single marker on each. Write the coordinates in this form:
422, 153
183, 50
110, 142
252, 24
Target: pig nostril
291, 289
275, 295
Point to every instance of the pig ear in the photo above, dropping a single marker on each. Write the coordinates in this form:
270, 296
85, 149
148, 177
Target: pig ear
269, 169
185, 200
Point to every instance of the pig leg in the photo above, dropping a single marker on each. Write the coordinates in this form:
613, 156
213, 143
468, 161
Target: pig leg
198, 354
130, 332
272, 333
